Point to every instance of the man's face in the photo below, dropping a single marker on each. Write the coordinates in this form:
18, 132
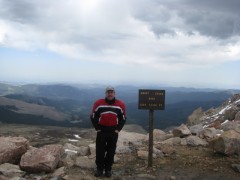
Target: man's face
110, 95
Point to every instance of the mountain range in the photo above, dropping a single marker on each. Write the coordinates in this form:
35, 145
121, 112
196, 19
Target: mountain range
70, 104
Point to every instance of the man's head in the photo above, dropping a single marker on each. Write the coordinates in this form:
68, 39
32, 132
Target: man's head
110, 93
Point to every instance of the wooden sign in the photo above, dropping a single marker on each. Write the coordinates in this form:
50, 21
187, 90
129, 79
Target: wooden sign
151, 99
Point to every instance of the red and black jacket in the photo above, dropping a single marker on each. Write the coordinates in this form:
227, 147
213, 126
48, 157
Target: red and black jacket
108, 116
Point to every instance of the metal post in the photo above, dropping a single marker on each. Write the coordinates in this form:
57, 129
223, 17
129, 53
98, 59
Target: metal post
150, 147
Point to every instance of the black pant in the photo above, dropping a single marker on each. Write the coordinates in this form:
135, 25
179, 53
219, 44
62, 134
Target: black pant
106, 143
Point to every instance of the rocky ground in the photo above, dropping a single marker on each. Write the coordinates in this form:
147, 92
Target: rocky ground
195, 163
187, 164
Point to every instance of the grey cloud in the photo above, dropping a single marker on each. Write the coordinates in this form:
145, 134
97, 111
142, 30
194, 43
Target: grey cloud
21, 11
216, 18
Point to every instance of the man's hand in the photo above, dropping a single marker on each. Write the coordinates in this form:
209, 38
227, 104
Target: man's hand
116, 131
98, 130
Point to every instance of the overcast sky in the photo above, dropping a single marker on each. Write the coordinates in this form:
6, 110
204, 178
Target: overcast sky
166, 42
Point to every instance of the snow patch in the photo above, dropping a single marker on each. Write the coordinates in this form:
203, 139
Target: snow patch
77, 136
224, 109
69, 150
237, 101
225, 122
73, 140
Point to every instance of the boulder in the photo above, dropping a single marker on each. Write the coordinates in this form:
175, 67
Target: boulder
82, 150
209, 133
85, 162
12, 148
159, 135
128, 141
181, 131
92, 149
194, 118
228, 143
44, 159
237, 116
229, 125
166, 149
236, 167
195, 141
196, 129
11, 170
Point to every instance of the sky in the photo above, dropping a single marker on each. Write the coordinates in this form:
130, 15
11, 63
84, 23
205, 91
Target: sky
164, 42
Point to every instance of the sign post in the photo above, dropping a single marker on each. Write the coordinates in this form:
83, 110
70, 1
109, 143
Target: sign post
151, 100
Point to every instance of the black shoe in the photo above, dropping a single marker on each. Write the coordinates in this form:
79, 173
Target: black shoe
98, 173
108, 173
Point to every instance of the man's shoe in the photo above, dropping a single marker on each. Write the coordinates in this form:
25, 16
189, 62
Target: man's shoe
108, 173
98, 173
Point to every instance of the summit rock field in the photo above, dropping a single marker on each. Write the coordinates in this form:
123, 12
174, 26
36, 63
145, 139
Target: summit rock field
206, 147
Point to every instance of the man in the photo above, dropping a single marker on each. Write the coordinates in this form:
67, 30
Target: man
108, 117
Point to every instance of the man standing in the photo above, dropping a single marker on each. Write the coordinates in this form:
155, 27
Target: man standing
108, 117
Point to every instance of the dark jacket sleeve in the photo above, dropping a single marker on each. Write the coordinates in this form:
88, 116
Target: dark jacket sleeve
121, 117
94, 116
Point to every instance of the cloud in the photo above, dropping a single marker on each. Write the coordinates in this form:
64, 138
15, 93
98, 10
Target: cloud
216, 18
176, 34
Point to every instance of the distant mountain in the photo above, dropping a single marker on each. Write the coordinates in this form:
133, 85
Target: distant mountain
75, 102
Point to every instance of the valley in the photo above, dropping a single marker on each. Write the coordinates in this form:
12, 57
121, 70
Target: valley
70, 105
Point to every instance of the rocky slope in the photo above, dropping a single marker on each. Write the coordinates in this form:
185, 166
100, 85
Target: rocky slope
207, 148
225, 117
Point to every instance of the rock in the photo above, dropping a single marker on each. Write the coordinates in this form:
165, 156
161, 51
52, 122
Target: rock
3, 177
181, 131
82, 151
85, 162
12, 148
44, 159
11, 170
59, 172
194, 118
158, 135
128, 141
209, 133
92, 148
166, 149
230, 113
237, 116
142, 154
196, 129
68, 160
167, 142
228, 125
236, 167
228, 143
237, 127
122, 149
158, 152
174, 141
195, 141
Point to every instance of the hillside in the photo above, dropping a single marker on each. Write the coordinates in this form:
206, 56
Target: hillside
74, 103
33, 109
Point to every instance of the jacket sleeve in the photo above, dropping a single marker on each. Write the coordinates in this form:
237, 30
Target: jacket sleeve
121, 117
94, 116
